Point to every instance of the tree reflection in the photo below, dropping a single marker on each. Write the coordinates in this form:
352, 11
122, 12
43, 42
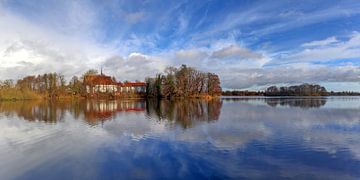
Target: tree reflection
93, 112
295, 102
45, 111
292, 102
185, 112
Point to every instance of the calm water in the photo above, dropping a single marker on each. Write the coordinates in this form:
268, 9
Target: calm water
229, 138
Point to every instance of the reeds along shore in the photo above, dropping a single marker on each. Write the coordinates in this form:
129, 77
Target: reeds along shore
16, 94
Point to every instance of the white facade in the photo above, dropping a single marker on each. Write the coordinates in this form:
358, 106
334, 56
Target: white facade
114, 89
101, 88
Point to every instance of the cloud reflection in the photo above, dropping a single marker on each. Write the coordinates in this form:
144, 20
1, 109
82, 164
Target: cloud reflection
182, 134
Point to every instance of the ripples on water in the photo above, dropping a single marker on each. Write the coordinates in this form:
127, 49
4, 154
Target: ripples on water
306, 138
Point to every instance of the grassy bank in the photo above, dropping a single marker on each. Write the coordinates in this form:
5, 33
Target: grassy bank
16, 94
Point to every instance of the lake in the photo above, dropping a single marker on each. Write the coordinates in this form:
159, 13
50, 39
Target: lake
227, 138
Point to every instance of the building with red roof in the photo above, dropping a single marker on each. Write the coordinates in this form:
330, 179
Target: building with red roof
100, 83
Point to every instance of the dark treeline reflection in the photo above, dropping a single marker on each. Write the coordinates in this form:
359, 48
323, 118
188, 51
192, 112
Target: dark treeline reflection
183, 112
93, 112
292, 102
35, 110
303, 103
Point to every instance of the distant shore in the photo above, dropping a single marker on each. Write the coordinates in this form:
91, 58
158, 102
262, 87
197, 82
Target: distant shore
283, 96
331, 94
297, 90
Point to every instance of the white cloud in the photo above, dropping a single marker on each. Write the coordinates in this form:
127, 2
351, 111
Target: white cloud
74, 45
235, 51
192, 57
326, 50
267, 18
303, 18
233, 78
325, 42
136, 66
26, 49
191, 54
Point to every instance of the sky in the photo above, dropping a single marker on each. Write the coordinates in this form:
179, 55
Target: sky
249, 44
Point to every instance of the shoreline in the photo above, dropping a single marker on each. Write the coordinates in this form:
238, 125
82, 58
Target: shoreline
66, 98
93, 98
290, 96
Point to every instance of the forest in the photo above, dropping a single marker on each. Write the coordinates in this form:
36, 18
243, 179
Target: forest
183, 82
299, 90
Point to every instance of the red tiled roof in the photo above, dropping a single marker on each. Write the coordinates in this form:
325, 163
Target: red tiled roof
107, 80
99, 79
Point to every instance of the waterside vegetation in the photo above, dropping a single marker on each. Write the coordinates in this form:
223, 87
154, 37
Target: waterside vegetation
182, 82
49, 85
299, 90
185, 82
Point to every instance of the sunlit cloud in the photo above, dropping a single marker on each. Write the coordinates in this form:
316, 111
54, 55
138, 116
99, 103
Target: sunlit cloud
245, 44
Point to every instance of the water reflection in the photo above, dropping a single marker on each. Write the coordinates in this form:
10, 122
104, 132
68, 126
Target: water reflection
35, 110
310, 102
296, 102
181, 112
99, 111
184, 112
184, 139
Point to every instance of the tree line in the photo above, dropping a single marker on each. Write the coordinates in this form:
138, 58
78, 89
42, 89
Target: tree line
183, 82
345, 93
242, 93
174, 82
299, 90
48, 85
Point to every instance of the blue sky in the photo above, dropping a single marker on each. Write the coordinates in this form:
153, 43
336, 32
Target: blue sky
250, 44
